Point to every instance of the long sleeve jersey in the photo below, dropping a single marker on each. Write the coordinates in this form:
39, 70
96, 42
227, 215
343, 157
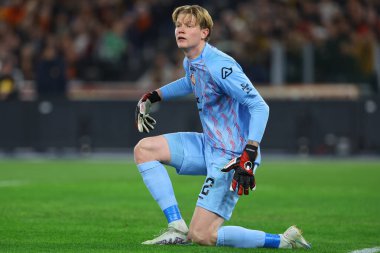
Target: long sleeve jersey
230, 108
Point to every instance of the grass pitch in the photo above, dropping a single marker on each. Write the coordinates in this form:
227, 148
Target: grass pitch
103, 206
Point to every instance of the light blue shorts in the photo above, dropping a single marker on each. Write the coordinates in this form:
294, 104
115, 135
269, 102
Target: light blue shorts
190, 156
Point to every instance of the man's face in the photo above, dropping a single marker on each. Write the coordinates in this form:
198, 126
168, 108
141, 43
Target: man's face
188, 33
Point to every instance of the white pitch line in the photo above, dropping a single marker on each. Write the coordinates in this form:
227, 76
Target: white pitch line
367, 250
11, 183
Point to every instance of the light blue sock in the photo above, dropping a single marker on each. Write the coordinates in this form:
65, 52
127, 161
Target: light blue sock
240, 237
157, 181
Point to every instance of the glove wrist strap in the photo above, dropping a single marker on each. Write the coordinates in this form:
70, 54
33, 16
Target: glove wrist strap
154, 97
251, 151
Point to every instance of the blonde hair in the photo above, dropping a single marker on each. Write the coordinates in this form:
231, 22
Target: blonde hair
201, 15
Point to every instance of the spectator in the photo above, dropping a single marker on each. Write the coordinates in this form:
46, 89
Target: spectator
162, 71
51, 79
10, 79
115, 40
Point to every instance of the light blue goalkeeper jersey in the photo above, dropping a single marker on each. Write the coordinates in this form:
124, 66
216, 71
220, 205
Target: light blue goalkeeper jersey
230, 108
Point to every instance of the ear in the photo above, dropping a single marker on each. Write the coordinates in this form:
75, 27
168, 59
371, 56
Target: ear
205, 33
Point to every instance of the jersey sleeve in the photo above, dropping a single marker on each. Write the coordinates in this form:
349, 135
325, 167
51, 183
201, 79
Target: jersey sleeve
233, 82
178, 88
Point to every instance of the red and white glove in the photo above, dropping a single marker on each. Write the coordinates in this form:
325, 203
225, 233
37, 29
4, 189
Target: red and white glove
144, 121
243, 166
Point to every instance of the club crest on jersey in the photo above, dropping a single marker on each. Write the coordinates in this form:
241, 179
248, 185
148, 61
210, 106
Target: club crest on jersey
192, 78
226, 72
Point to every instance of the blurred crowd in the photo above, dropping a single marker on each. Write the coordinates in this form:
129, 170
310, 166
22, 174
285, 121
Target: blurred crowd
133, 41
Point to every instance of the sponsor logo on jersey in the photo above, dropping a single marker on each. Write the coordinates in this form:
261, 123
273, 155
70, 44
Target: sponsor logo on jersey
226, 72
246, 87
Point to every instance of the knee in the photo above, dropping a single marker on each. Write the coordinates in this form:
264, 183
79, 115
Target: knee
203, 236
142, 150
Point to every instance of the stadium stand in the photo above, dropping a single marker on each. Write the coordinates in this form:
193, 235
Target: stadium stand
329, 41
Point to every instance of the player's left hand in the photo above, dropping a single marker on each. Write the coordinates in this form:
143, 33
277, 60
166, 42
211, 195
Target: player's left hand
244, 177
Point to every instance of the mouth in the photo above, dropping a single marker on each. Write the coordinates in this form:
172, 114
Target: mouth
180, 38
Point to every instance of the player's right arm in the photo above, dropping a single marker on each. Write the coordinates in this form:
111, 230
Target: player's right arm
178, 88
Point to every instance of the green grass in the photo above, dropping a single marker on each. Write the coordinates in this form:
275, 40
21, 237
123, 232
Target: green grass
103, 206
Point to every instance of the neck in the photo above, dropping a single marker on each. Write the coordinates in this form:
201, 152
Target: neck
194, 52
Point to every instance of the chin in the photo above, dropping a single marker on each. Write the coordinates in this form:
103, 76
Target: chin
181, 46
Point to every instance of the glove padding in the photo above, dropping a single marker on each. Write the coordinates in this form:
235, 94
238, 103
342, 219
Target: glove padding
144, 121
244, 177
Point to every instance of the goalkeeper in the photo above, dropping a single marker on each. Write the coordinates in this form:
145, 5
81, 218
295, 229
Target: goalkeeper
233, 117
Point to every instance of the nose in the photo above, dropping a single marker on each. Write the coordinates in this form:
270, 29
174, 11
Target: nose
180, 29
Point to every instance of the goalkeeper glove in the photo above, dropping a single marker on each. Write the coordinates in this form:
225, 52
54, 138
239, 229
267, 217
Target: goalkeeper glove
244, 177
144, 121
